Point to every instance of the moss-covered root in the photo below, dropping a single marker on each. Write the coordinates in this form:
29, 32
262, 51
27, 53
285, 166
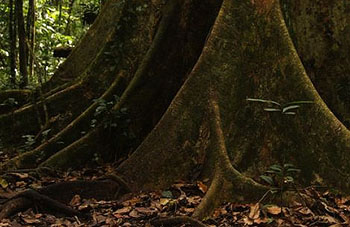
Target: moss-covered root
26, 119
225, 175
52, 198
141, 73
32, 158
15, 93
90, 45
61, 158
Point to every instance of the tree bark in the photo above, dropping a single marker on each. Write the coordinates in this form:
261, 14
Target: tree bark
31, 37
22, 45
13, 39
183, 83
320, 32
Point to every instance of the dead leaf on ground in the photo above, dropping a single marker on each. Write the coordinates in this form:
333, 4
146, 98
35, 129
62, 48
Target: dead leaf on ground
254, 211
75, 201
123, 210
275, 210
202, 187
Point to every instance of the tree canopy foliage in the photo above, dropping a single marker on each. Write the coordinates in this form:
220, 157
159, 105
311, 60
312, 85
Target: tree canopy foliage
57, 24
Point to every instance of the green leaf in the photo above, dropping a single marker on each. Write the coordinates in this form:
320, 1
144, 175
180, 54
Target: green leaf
288, 165
270, 171
297, 103
294, 170
263, 101
289, 113
267, 179
276, 168
290, 108
272, 110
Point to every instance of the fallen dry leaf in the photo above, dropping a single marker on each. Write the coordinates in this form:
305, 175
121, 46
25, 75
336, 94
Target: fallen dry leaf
254, 211
75, 201
31, 220
123, 210
202, 187
275, 210
134, 214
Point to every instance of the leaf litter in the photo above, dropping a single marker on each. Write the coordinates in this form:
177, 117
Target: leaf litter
321, 208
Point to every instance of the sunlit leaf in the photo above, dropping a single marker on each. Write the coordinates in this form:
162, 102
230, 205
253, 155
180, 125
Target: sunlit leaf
263, 101
289, 113
290, 108
272, 110
297, 103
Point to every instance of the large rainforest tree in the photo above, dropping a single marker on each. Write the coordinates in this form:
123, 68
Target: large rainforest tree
161, 88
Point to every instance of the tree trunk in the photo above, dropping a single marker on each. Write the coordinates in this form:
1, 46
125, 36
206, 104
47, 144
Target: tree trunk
22, 45
182, 84
31, 37
320, 32
13, 39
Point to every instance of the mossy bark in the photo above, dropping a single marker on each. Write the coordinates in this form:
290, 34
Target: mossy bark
205, 70
320, 32
252, 58
119, 57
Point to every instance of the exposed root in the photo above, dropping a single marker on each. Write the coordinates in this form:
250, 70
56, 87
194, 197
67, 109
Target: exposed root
228, 171
211, 199
90, 45
123, 185
52, 98
77, 152
65, 135
224, 173
177, 221
52, 198
141, 73
14, 206
44, 203
19, 96
25, 119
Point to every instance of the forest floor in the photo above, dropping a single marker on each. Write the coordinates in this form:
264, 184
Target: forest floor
143, 209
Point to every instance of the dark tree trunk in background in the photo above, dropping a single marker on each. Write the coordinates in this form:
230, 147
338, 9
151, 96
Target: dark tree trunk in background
13, 39
23, 62
31, 36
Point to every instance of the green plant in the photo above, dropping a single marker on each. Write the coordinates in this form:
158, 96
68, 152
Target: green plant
287, 108
117, 121
280, 177
29, 142
11, 102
